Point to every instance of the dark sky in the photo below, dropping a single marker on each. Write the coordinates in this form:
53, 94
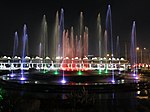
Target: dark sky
14, 14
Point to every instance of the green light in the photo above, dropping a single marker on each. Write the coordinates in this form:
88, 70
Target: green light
2, 94
1, 98
56, 72
99, 71
45, 71
79, 73
106, 71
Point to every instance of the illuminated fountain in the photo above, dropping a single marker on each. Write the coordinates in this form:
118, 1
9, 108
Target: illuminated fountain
118, 50
99, 35
71, 49
70, 45
67, 45
110, 38
62, 31
55, 42
133, 54
15, 49
105, 50
69, 54
24, 50
43, 46
40, 50
118, 47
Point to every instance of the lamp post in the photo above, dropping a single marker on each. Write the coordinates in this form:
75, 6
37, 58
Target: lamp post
140, 57
145, 55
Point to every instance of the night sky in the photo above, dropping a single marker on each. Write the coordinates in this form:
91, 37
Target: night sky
14, 14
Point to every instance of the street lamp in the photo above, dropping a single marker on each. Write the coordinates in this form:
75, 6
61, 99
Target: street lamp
107, 55
137, 48
140, 50
145, 55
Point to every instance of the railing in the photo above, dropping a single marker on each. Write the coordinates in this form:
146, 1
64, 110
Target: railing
63, 66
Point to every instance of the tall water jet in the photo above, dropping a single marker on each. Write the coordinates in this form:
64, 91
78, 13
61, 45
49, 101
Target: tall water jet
126, 52
72, 44
15, 48
56, 37
44, 37
133, 55
109, 30
85, 47
118, 48
81, 35
105, 50
81, 23
40, 50
105, 44
80, 46
118, 52
64, 41
61, 30
66, 46
76, 46
27, 46
99, 35
85, 43
61, 39
109, 34
24, 43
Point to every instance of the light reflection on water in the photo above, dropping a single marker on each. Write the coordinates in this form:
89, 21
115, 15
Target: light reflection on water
24, 101
81, 100
69, 81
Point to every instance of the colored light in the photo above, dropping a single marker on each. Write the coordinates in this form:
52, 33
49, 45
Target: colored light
100, 71
1, 98
63, 81
12, 75
106, 71
22, 72
2, 93
22, 78
45, 71
79, 73
113, 81
136, 77
56, 72
119, 72
134, 74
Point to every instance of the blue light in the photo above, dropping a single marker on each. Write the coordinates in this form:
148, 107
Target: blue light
134, 74
119, 72
22, 78
12, 75
136, 77
63, 81
113, 81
